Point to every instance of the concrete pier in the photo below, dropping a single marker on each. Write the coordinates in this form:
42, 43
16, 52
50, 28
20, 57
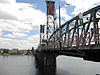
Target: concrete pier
45, 60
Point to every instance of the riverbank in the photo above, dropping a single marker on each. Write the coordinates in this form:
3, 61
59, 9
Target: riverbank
16, 52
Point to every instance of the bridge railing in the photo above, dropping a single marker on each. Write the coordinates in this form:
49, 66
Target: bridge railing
83, 40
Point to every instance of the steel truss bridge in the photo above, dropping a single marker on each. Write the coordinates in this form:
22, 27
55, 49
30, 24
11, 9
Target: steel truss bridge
73, 39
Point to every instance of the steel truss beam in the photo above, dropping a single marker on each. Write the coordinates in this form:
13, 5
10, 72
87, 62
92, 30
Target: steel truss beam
82, 30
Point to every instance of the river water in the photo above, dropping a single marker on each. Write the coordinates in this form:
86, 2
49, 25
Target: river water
25, 65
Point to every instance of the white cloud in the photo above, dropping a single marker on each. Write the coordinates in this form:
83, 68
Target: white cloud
7, 1
64, 14
10, 44
34, 38
16, 35
31, 41
19, 19
14, 26
22, 12
82, 5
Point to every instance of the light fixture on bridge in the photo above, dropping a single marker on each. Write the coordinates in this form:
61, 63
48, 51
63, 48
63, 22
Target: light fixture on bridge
67, 4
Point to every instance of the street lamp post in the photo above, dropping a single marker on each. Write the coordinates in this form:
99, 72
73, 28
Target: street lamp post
59, 13
60, 31
59, 16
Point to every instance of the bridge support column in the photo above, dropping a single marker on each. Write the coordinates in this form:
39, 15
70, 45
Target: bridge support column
43, 60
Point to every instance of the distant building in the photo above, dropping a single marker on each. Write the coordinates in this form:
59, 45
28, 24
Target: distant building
15, 49
4, 50
1, 50
23, 51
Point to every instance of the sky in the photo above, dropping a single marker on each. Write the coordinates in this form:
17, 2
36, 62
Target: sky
20, 19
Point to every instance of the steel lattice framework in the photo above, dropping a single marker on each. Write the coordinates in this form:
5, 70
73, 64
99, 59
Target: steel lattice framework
78, 36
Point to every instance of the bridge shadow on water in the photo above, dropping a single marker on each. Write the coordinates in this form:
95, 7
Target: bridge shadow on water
51, 70
47, 70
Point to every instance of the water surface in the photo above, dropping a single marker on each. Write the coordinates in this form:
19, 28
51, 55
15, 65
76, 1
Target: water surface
25, 65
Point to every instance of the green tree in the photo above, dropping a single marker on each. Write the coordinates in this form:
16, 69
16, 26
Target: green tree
13, 52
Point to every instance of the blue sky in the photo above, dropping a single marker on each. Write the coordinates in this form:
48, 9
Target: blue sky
41, 5
20, 19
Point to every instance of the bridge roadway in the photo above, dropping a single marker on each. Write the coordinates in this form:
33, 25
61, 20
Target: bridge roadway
48, 57
85, 54
77, 40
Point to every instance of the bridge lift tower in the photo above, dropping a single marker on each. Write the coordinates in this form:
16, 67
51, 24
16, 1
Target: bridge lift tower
47, 59
50, 19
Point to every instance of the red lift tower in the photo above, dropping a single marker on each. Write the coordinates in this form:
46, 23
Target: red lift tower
50, 18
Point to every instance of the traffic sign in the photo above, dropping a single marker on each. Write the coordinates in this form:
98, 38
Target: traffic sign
81, 20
